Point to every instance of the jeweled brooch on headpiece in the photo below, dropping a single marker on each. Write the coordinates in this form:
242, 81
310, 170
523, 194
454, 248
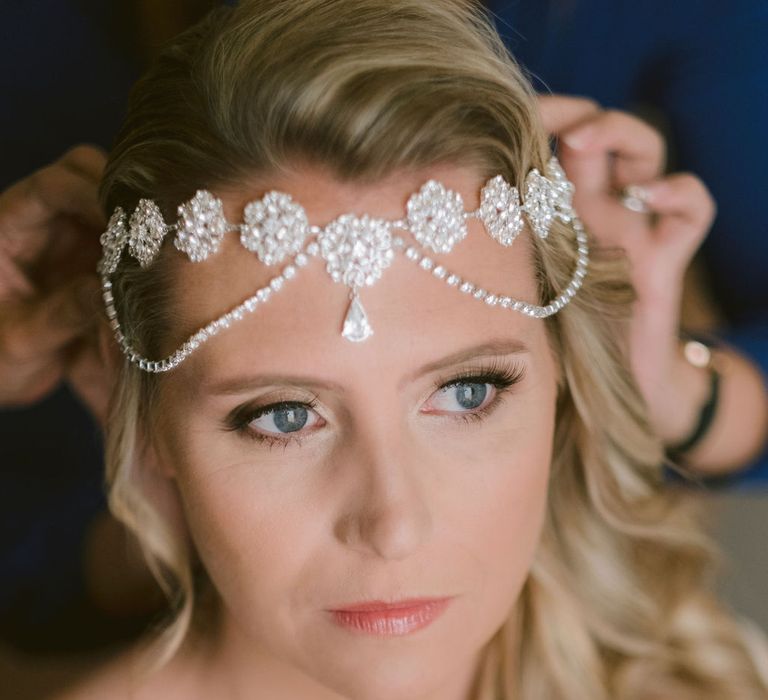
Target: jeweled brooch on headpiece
356, 249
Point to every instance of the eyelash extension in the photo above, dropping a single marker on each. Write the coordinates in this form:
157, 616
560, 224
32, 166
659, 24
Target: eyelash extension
499, 374
240, 418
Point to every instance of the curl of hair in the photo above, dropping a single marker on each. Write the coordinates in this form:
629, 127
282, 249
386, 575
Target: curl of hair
618, 604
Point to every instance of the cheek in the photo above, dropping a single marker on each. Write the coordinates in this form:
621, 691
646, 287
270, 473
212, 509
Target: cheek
265, 539
499, 522
251, 537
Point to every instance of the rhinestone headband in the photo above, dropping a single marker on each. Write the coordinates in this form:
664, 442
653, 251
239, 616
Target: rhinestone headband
356, 250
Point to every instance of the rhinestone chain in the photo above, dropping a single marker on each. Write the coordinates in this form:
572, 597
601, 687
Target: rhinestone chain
313, 250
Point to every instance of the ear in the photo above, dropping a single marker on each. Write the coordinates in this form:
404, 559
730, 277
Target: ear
156, 453
160, 487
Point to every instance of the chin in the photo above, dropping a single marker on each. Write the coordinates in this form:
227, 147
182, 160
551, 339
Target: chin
392, 682
410, 672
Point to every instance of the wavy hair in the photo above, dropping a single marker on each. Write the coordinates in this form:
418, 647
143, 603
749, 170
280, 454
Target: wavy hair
618, 604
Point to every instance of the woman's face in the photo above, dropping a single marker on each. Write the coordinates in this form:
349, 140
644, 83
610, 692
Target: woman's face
316, 473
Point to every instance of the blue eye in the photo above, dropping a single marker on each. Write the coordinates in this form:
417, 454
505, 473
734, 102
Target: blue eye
287, 419
469, 395
470, 390
466, 394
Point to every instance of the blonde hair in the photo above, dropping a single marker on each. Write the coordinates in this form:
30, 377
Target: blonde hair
617, 604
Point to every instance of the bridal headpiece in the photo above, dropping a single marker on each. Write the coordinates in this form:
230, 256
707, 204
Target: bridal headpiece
356, 250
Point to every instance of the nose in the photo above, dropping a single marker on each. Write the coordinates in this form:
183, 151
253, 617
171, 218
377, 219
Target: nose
386, 513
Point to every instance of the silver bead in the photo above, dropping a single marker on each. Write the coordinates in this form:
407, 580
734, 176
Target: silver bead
426, 263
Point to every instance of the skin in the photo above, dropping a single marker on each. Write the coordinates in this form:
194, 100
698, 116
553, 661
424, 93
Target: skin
32, 353
387, 498
47, 323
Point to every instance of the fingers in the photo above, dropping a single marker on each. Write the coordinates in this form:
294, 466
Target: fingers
13, 282
33, 332
560, 113
611, 150
602, 150
685, 196
46, 221
617, 131
685, 211
91, 377
67, 187
28, 385
637, 147
61, 188
562, 116
88, 159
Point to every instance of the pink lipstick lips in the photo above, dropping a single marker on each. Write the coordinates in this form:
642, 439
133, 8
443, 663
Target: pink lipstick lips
390, 619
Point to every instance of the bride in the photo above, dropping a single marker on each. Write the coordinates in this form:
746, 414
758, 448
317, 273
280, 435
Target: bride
375, 425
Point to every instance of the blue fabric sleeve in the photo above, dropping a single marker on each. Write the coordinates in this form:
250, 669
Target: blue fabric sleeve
752, 340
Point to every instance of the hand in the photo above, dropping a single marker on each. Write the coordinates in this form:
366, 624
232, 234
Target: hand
602, 152
49, 291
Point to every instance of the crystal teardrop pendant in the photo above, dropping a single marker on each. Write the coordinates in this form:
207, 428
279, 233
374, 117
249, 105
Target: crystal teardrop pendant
356, 326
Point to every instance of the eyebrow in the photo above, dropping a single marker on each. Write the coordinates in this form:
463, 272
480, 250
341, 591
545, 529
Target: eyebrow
498, 347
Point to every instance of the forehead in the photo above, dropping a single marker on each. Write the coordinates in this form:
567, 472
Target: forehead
415, 316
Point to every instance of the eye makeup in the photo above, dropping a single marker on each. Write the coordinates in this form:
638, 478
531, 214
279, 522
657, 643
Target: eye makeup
501, 375
240, 420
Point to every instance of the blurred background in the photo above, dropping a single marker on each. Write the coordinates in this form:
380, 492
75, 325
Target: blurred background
697, 69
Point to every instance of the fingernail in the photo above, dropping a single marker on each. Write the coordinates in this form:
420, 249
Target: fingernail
580, 138
653, 190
